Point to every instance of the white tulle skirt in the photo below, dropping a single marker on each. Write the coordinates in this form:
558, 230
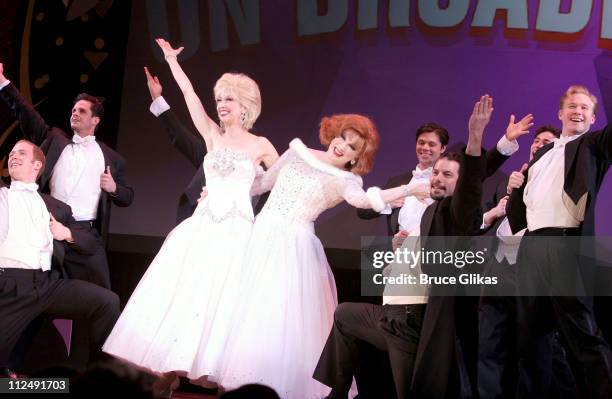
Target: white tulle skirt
284, 313
178, 317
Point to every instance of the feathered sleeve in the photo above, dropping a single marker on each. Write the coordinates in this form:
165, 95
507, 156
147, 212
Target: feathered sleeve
353, 193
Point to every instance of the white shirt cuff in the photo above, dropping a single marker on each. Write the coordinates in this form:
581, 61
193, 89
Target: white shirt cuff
387, 211
507, 147
376, 201
3, 85
159, 106
484, 225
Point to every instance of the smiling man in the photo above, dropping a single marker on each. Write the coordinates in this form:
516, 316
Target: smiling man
557, 200
84, 173
35, 230
404, 214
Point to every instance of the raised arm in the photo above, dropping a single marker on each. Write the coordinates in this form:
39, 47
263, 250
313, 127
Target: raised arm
481, 115
187, 142
32, 124
205, 125
603, 144
465, 202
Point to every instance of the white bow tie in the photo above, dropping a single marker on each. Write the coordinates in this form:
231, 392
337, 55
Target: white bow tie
21, 186
421, 174
83, 140
563, 140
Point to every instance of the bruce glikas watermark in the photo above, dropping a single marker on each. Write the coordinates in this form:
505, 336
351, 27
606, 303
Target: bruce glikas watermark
404, 266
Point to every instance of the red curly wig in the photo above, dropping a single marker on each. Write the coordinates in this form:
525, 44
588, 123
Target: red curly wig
333, 126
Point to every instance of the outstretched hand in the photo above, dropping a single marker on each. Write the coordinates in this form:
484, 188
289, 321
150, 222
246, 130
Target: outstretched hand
107, 182
516, 179
155, 88
500, 208
421, 191
515, 130
398, 239
481, 115
167, 49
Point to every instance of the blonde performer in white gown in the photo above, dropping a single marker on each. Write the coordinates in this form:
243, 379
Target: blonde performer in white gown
169, 324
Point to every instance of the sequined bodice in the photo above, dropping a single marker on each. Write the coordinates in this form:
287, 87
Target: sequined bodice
229, 176
301, 192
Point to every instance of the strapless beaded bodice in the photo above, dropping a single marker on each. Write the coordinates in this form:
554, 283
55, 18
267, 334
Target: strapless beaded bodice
229, 176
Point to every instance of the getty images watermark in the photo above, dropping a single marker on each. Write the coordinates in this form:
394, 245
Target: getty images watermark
412, 259
487, 265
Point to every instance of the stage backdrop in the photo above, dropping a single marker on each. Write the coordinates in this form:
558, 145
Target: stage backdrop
401, 62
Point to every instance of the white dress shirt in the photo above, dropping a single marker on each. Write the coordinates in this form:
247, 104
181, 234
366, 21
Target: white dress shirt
396, 294
505, 147
76, 177
547, 203
25, 237
409, 216
508, 243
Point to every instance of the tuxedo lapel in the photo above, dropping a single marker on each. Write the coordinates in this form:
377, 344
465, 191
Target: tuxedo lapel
427, 219
574, 186
539, 155
59, 250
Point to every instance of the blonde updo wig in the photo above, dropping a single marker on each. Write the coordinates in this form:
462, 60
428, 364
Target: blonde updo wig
245, 91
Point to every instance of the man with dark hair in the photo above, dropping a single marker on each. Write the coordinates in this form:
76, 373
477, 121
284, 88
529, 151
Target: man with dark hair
431, 142
35, 231
446, 359
395, 327
557, 200
84, 173
404, 216
97, 109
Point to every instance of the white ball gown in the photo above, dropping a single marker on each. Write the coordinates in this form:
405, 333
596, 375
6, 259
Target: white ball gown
178, 315
288, 295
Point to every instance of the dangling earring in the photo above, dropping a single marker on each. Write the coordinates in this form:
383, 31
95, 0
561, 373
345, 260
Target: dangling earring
222, 126
243, 119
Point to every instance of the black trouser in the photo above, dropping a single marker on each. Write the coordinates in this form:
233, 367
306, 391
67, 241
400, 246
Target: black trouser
542, 264
91, 268
27, 294
497, 353
393, 328
497, 362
